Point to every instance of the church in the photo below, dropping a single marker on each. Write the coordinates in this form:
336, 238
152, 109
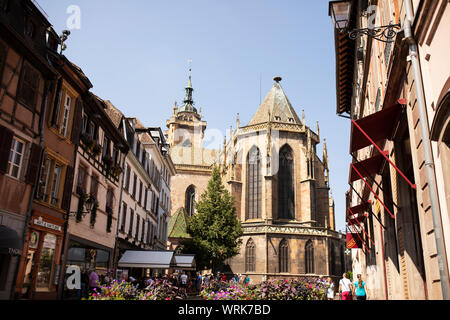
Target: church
280, 184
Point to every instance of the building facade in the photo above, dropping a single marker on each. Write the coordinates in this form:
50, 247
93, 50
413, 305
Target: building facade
404, 235
145, 189
26, 83
272, 169
100, 156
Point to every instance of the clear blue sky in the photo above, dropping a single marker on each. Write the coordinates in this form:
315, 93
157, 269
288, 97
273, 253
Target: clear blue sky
135, 53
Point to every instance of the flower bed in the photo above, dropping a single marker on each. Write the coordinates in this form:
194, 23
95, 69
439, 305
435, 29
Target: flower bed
161, 290
297, 289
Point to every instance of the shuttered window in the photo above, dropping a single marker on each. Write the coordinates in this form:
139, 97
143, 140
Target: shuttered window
16, 156
68, 184
130, 229
81, 181
137, 227
124, 217
29, 86
33, 164
66, 115
50, 189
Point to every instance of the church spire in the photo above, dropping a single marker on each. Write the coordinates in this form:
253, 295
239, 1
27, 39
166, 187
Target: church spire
188, 105
318, 130
325, 153
189, 90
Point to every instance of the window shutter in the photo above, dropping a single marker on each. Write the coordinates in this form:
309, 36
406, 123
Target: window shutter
33, 164
76, 123
29, 84
54, 119
6, 137
67, 195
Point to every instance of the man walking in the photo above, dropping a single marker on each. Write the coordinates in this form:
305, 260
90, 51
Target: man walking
345, 288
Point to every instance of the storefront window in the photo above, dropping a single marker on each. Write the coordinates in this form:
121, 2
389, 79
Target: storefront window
46, 263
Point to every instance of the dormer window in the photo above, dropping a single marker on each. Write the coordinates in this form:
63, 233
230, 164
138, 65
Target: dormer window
291, 120
277, 118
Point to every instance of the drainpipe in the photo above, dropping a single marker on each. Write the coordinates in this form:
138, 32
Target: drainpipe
429, 163
384, 264
119, 216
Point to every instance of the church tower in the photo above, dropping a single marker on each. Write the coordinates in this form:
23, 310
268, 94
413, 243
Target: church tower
193, 163
185, 127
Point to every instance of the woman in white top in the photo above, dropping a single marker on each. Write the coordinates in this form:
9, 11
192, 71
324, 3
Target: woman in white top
330, 291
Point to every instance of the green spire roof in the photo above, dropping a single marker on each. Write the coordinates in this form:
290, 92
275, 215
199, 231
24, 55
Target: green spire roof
188, 100
178, 225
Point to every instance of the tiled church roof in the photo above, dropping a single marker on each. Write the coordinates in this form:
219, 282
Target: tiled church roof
279, 107
178, 225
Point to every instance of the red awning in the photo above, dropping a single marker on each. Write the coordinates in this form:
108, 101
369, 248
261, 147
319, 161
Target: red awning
378, 126
361, 207
368, 167
361, 217
359, 212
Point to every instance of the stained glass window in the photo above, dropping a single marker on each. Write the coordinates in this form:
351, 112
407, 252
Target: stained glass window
286, 184
250, 259
254, 184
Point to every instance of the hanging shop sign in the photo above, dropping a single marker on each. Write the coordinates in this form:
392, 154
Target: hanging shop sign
40, 222
353, 241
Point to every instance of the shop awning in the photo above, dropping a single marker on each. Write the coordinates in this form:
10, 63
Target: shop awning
147, 259
10, 242
361, 217
374, 128
361, 207
368, 168
184, 261
377, 126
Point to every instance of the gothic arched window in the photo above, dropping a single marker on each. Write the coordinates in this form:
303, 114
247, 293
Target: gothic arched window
286, 184
309, 257
190, 198
254, 184
250, 258
284, 256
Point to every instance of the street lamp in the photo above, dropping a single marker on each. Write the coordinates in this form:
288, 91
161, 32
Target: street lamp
340, 15
63, 37
89, 204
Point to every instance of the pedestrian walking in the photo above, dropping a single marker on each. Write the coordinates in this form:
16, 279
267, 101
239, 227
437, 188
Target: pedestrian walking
205, 280
330, 290
199, 282
246, 280
93, 281
345, 288
359, 289
84, 284
184, 281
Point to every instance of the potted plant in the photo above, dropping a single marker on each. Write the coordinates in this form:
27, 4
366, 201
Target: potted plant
94, 212
107, 159
116, 170
87, 140
96, 149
